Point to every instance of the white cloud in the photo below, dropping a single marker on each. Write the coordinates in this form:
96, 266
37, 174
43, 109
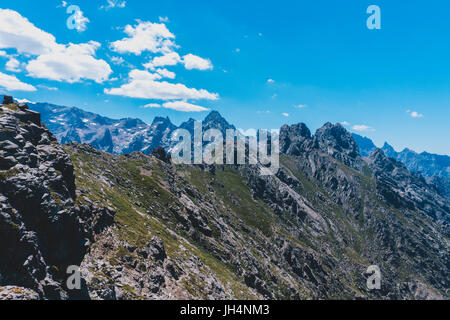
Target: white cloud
63, 4
285, 114
301, 106
168, 59
345, 123
114, 4
54, 61
47, 87
13, 65
414, 114
238, 50
166, 73
19, 33
191, 61
71, 64
362, 127
177, 105
117, 60
11, 83
270, 81
152, 105
143, 84
163, 19
145, 36
183, 106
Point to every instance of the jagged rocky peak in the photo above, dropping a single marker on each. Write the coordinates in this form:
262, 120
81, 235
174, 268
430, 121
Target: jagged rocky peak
214, 120
214, 116
366, 146
389, 150
336, 141
161, 120
130, 123
293, 138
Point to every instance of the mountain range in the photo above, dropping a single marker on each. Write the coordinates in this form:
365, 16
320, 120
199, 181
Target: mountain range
140, 227
71, 124
429, 165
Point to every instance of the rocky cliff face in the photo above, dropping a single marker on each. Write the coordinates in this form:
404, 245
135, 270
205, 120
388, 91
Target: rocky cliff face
42, 230
141, 227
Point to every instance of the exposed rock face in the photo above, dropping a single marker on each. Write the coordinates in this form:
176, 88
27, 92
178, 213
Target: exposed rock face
294, 139
161, 154
365, 145
402, 188
432, 166
42, 230
334, 140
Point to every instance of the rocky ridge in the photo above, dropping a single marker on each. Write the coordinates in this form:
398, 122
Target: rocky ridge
42, 229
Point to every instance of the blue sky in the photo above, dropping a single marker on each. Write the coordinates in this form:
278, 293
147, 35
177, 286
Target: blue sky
260, 63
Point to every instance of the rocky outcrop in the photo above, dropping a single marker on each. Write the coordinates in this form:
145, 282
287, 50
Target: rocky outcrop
334, 140
401, 188
42, 229
294, 139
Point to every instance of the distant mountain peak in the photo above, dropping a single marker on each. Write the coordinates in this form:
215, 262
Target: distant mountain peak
161, 120
214, 120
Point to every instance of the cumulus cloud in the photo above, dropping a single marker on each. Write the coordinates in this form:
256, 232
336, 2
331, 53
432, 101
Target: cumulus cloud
414, 114
166, 73
143, 84
145, 36
270, 81
177, 105
13, 65
113, 4
183, 106
362, 127
11, 83
191, 61
156, 39
163, 19
19, 33
71, 64
168, 59
151, 105
285, 114
50, 60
